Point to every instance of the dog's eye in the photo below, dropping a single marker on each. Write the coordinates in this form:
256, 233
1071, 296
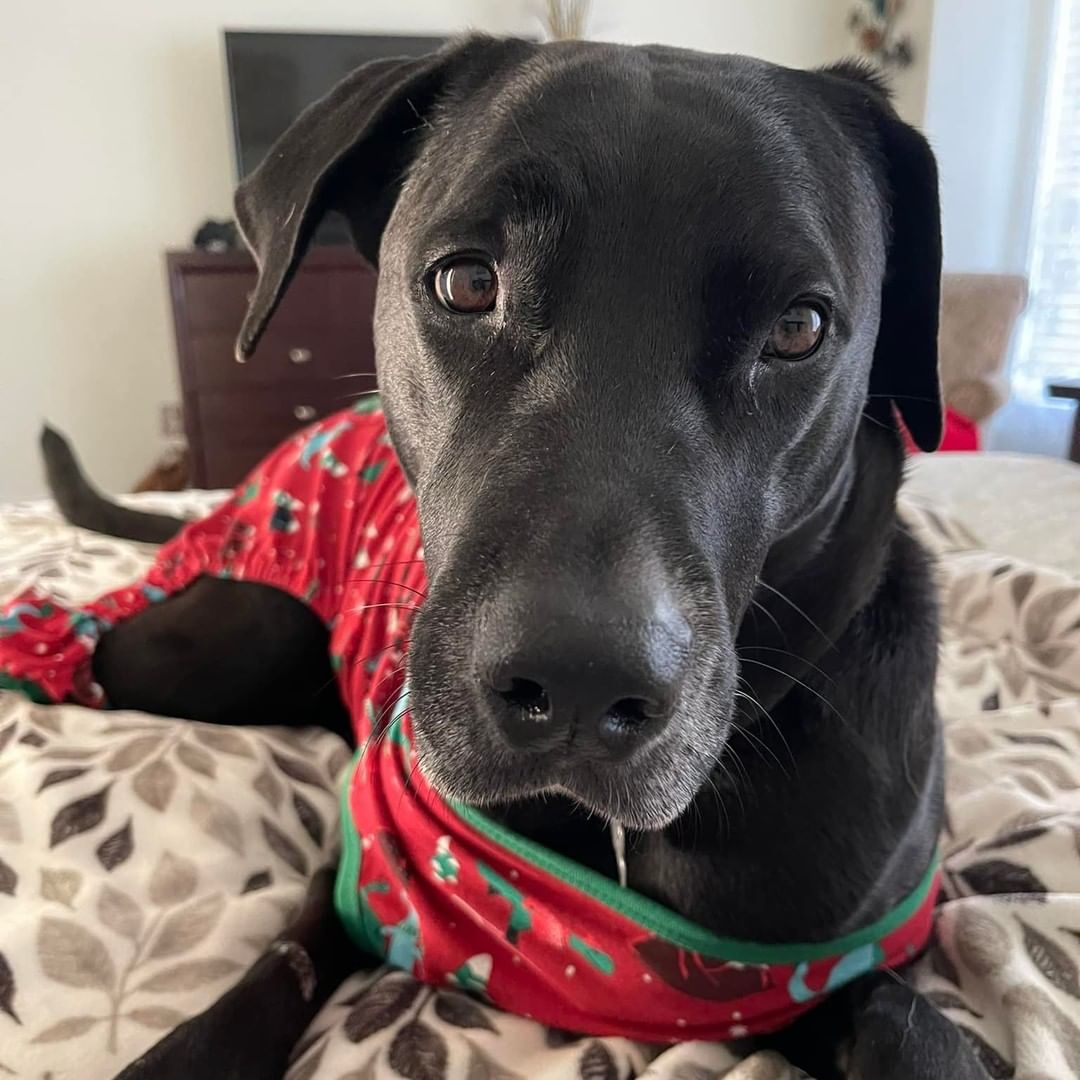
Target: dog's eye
797, 333
467, 285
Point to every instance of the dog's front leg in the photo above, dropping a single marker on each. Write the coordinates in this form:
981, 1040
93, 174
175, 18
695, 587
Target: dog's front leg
249, 1033
898, 1035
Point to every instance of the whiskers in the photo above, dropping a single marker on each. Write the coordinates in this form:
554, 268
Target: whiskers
798, 682
798, 610
756, 741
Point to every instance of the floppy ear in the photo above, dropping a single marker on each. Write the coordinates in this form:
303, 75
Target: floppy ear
906, 356
905, 370
352, 147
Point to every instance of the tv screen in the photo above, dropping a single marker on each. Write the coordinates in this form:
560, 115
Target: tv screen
275, 75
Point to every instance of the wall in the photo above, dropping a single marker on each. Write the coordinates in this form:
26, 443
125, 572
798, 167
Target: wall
909, 84
984, 97
790, 32
116, 145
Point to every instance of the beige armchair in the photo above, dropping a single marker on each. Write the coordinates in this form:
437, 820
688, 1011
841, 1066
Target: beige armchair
978, 313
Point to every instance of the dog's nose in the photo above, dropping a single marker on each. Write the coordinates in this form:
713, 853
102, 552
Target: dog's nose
600, 678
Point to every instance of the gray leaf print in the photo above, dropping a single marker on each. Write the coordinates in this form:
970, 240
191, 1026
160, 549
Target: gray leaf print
225, 742
998, 876
269, 787
1053, 656
258, 881
1014, 837
310, 818
460, 1011
483, 1067
130, 724
983, 946
7, 990
339, 757
72, 955
186, 926
959, 591
1021, 586
116, 848
196, 759
298, 770
10, 829
8, 879
119, 912
367, 1071
283, 847
60, 885
70, 753
1011, 670
1048, 769
1043, 610
155, 783
384, 1004
157, 1017
134, 752
70, 1028
79, 816
1034, 740
972, 674
1029, 782
173, 880
1032, 1006
992, 1061
6, 736
61, 776
597, 1064
943, 999
32, 738
418, 1052
190, 975
46, 718
557, 1037
1051, 959
978, 609
219, 820
306, 1068
692, 1071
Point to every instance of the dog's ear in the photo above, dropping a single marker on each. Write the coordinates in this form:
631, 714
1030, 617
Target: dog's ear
353, 147
905, 370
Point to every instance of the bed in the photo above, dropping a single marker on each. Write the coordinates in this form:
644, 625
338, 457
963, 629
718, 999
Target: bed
145, 863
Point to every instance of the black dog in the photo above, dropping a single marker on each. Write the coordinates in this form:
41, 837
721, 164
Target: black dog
644, 317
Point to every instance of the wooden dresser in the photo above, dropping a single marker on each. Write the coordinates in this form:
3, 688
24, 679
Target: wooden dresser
317, 354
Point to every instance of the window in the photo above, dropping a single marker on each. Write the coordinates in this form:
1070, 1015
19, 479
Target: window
1049, 347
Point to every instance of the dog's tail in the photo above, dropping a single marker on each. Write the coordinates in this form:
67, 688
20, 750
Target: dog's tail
83, 505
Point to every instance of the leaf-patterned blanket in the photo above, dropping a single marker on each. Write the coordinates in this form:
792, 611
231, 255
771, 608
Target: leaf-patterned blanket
144, 863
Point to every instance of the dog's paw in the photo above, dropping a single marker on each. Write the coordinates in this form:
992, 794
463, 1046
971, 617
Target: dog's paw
899, 1035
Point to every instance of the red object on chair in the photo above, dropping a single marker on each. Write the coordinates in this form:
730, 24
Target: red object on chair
960, 434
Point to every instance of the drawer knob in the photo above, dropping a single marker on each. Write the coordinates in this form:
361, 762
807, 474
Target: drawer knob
304, 412
300, 356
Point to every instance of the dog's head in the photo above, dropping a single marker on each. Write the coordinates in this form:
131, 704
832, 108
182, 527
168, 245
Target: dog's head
632, 305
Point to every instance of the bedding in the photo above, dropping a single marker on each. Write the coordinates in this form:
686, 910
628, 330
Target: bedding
144, 863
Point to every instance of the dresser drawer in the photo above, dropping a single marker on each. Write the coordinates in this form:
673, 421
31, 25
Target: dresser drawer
301, 354
235, 414
218, 301
239, 427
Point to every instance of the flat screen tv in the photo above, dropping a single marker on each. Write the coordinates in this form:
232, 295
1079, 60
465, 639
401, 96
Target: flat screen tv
274, 75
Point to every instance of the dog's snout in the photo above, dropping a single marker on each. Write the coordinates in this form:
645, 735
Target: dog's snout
565, 667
